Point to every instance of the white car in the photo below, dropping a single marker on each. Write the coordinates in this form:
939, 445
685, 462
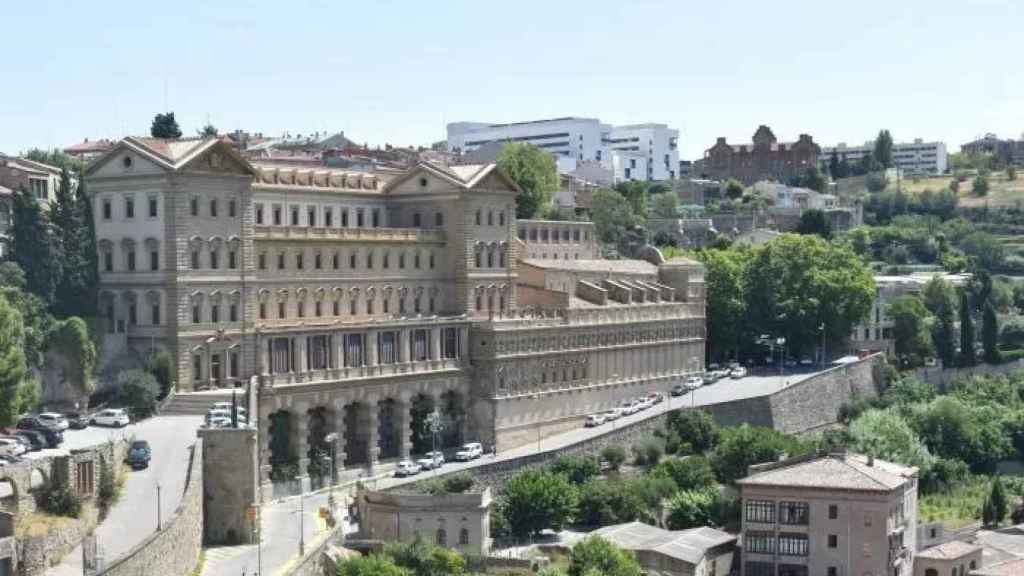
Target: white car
11, 448
218, 422
54, 421
612, 415
738, 372
431, 460
470, 451
227, 407
694, 382
110, 417
594, 420
407, 468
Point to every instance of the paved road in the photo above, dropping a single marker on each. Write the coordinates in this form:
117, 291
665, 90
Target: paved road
134, 517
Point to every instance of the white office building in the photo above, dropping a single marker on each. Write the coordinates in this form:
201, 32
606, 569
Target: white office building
913, 158
633, 152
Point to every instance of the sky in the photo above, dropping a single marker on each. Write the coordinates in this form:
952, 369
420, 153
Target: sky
396, 72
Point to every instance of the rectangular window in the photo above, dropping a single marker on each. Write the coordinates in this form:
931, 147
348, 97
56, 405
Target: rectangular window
197, 367
277, 215
431, 260
131, 260
359, 217
106, 209
280, 355
132, 315
281, 311
262, 259
792, 544
259, 214
369, 306
232, 208
295, 215
263, 310
154, 314
319, 352
793, 513
344, 218
759, 569
318, 308
328, 217
353, 350
233, 312
352, 307
300, 308
193, 207
388, 353
232, 260
108, 261
450, 342
419, 345
833, 511
760, 511
280, 261
336, 307
375, 215
352, 260
335, 260
129, 207
154, 260
298, 261
759, 542
195, 313
833, 540
369, 260
317, 261
311, 216
214, 259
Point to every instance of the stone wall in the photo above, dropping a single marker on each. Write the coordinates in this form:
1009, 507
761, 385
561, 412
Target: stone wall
230, 484
316, 561
174, 550
942, 378
35, 554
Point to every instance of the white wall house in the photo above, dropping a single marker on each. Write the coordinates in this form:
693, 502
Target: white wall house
633, 152
917, 157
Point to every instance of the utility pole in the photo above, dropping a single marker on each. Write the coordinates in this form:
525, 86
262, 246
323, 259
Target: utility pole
302, 534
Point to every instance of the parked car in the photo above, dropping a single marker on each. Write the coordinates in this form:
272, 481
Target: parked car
594, 420
431, 460
806, 362
53, 438
35, 439
218, 422
53, 421
678, 390
738, 372
77, 420
227, 407
139, 454
406, 468
714, 366
10, 447
656, 397
30, 423
116, 417
612, 415
694, 382
470, 451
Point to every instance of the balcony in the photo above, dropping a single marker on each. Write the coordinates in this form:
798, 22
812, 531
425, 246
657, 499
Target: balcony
413, 235
334, 375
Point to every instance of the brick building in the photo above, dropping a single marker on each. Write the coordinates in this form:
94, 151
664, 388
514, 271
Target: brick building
764, 159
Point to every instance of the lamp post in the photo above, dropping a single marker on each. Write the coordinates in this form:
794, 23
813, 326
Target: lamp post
434, 425
302, 532
822, 328
332, 439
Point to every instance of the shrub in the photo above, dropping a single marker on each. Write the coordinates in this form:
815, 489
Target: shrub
690, 473
161, 367
373, 565
595, 555
578, 469
614, 455
137, 391
648, 452
107, 493
61, 501
456, 484
605, 502
424, 559
745, 445
695, 427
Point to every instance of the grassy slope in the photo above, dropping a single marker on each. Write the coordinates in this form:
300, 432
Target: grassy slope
1002, 192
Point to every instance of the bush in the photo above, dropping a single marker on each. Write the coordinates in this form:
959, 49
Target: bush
692, 473
60, 501
578, 469
107, 493
614, 455
694, 427
606, 502
692, 508
161, 367
875, 182
137, 392
648, 452
745, 445
595, 555
455, 484
373, 565
424, 559
533, 501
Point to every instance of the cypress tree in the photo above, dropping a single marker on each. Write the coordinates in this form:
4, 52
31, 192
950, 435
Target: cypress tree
34, 247
967, 357
990, 333
997, 499
13, 367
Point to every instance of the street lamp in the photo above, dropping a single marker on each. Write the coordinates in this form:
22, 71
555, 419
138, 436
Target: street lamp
332, 439
822, 328
434, 426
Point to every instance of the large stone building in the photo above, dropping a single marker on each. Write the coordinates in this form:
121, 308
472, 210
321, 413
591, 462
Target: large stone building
835, 514
363, 301
764, 159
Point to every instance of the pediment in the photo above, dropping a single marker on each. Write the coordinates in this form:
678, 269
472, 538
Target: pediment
217, 159
122, 160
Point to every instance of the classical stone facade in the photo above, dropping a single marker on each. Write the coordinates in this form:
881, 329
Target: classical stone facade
460, 521
765, 159
362, 302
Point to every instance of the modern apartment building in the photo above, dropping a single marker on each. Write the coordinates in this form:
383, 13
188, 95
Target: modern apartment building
832, 515
633, 152
912, 158
361, 301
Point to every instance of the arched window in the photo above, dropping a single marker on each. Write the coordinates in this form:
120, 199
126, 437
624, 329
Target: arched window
501, 257
479, 216
501, 218
490, 217
490, 258
438, 219
464, 537
442, 537
479, 258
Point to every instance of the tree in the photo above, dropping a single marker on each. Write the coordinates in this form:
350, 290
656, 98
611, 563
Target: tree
834, 167
34, 248
422, 558
814, 221
635, 193
614, 455
937, 294
534, 171
967, 357
795, 284
1011, 172
812, 178
664, 205
910, 331
372, 565
875, 182
724, 274
13, 368
137, 391
997, 498
595, 555
577, 469
887, 435
745, 445
984, 249
691, 473
695, 427
533, 501
611, 214
990, 333
733, 189
692, 508
980, 185
165, 126
55, 157
208, 130
882, 153
71, 215
604, 502
71, 340
955, 428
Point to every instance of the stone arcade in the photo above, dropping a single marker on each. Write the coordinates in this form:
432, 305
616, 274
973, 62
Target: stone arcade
363, 301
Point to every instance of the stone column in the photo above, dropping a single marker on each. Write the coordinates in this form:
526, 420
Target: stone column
373, 431
403, 421
464, 344
332, 351
302, 439
371, 347
264, 448
341, 429
403, 345
435, 343
300, 352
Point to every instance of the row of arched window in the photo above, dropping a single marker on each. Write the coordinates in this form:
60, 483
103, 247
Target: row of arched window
129, 255
366, 259
490, 298
490, 255
489, 215
339, 302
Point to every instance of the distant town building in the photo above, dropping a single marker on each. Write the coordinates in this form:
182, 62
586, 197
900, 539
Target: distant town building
41, 179
685, 169
912, 158
1008, 151
829, 514
87, 150
764, 159
953, 557
458, 521
633, 152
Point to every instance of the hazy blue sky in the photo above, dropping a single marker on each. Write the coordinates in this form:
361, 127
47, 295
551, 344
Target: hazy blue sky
398, 71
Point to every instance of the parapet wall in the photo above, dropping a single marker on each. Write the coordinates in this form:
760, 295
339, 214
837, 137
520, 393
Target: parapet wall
175, 549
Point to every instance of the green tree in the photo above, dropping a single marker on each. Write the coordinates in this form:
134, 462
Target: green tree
664, 205
55, 157
745, 445
534, 171
691, 473
967, 356
724, 274
13, 368
990, 333
938, 294
137, 390
614, 455
812, 178
955, 428
578, 469
882, 153
795, 284
910, 330
997, 498
207, 131
980, 186
692, 508
75, 230
372, 565
695, 427
984, 249
595, 555
611, 214
38, 322
635, 193
70, 338
605, 502
165, 126
733, 189
34, 247
533, 501
887, 435
834, 167
814, 221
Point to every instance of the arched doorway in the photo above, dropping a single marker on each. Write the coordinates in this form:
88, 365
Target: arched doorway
420, 408
357, 426
283, 463
319, 425
388, 427
453, 414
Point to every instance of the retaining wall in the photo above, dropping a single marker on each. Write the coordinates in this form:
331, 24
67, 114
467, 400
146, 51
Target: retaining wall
941, 378
174, 550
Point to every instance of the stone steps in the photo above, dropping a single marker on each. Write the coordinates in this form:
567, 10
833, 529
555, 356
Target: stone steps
196, 404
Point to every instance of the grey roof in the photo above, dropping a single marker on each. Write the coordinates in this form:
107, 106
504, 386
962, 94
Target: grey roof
832, 471
613, 266
1014, 567
687, 545
949, 550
